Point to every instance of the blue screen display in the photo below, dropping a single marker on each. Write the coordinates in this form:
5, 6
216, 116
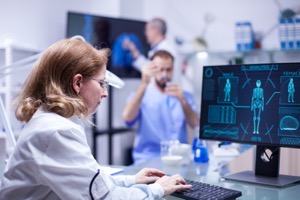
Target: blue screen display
108, 32
252, 103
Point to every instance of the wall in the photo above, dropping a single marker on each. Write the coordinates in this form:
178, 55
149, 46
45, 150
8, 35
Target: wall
186, 19
39, 23
46, 22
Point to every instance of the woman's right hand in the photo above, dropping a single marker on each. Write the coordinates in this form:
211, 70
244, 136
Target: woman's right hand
171, 184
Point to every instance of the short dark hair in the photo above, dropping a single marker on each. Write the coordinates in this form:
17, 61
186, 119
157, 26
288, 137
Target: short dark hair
162, 54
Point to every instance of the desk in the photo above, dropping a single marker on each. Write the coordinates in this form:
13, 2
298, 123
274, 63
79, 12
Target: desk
212, 171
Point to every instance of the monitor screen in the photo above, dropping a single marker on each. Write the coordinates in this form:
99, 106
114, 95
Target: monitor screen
109, 32
253, 103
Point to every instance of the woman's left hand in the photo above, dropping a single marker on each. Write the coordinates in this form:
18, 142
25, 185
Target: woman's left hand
148, 175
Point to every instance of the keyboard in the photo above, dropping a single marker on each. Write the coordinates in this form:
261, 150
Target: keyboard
205, 191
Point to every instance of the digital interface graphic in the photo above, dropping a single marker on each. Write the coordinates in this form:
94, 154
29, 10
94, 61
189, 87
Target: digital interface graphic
252, 103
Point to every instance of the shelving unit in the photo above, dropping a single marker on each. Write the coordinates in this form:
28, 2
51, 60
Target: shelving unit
10, 83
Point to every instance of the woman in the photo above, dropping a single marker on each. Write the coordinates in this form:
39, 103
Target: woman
52, 159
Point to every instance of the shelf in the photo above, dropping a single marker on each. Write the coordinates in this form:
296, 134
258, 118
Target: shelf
245, 57
9, 84
256, 51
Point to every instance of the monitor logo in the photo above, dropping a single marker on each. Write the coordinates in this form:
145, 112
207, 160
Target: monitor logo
266, 155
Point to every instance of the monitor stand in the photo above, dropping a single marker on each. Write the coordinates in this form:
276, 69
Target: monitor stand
266, 169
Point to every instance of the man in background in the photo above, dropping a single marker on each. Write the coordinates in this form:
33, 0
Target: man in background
162, 109
155, 32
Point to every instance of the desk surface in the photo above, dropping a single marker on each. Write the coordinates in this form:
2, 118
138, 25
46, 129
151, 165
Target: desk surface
212, 172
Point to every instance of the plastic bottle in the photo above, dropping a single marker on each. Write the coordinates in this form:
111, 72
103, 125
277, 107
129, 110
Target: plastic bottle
283, 34
238, 36
290, 34
297, 32
199, 148
201, 154
196, 140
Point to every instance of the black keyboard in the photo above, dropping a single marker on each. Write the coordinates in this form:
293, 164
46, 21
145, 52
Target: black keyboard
207, 191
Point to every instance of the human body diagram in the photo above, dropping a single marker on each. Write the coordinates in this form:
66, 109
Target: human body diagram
257, 105
291, 90
227, 89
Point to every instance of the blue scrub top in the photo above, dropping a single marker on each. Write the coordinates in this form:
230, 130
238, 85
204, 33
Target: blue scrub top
160, 117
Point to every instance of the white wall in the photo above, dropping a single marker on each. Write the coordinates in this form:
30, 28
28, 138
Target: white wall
38, 23
186, 19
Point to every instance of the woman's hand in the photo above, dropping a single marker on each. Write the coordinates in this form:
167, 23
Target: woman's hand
148, 175
171, 184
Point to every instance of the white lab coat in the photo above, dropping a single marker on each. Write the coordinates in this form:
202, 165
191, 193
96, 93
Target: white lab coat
52, 160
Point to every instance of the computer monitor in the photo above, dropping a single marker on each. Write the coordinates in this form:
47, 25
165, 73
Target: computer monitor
101, 31
255, 104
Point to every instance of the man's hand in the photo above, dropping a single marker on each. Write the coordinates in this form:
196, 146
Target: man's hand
173, 89
127, 44
148, 71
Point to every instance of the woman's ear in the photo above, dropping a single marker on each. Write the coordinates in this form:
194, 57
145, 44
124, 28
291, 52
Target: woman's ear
77, 83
